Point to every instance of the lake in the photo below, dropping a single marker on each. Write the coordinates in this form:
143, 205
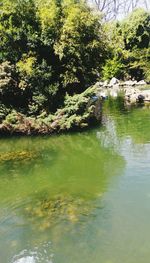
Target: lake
78, 198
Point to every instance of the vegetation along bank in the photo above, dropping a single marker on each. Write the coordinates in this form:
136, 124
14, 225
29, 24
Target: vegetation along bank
51, 52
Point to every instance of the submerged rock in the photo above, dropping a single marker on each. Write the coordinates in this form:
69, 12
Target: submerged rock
17, 156
49, 210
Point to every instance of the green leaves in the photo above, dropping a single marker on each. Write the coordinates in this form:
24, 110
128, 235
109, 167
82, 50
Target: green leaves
18, 29
136, 30
113, 67
80, 46
55, 47
129, 47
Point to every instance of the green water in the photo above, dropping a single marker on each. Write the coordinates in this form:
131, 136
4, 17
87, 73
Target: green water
79, 198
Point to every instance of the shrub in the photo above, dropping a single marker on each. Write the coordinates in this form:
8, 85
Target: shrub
113, 68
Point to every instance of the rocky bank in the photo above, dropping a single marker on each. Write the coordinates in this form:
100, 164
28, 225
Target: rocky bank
133, 91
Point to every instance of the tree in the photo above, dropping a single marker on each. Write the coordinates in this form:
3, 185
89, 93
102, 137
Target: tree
81, 47
136, 30
129, 51
18, 29
55, 46
113, 9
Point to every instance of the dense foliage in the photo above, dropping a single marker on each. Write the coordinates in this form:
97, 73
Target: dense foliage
47, 48
129, 51
50, 48
78, 112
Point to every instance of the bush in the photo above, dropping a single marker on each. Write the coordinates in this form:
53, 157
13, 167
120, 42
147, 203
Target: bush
113, 68
12, 118
79, 111
4, 111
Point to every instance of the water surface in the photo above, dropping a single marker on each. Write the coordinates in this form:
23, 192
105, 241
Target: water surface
81, 197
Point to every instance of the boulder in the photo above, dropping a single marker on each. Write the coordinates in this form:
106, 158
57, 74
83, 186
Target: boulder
105, 84
130, 83
146, 94
132, 98
113, 93
113, 81
103, 95
98, 84
141, 82
140, 98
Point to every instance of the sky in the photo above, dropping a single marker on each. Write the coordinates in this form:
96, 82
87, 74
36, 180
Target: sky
122, 13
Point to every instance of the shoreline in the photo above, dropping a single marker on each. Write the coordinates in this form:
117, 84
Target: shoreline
79, 113
91, 116
133, 92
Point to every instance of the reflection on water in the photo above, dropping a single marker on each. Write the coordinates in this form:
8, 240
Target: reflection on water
39, 254
80, 197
